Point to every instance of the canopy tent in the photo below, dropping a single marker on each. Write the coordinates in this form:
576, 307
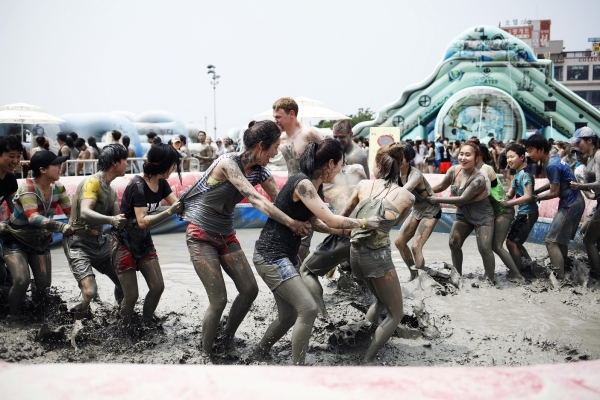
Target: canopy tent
22, 113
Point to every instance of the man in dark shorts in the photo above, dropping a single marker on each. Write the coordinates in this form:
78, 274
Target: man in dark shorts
95, 205
571, 204
10, 156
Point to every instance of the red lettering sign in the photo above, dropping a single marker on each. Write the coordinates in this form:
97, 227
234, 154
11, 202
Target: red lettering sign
544, 32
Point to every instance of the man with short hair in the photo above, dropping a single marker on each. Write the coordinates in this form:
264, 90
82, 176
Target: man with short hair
63, 150
571, 204
116, 136
10, 156
294, 138
84, 154
151, 136
95, 205
206, 154
342, 132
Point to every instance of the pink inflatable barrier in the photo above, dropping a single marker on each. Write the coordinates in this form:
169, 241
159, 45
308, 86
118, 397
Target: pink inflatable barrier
579, 380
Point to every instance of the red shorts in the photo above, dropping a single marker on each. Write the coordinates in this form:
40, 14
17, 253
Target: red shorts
204, 245
123, 260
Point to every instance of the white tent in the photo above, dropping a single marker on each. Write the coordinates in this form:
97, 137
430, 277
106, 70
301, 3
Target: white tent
21, 113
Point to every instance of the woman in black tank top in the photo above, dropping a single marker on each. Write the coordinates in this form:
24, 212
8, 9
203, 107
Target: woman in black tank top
276, 250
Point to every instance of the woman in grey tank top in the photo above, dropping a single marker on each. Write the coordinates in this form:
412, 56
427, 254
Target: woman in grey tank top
209, 206
470, 192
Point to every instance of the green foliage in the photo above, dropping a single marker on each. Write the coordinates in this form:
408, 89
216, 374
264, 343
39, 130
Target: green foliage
362, 115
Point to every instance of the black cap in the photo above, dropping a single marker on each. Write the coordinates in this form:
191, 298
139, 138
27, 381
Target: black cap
43, 158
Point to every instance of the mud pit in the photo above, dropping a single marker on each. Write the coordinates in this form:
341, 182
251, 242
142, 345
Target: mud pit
477, 325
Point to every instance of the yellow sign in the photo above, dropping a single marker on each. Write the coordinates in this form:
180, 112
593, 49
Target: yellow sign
381, 136
596, 47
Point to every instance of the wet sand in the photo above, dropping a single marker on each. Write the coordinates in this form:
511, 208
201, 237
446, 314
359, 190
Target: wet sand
478, 325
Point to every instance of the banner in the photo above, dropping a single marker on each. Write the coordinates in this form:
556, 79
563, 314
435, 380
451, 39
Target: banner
381, 136
544, 32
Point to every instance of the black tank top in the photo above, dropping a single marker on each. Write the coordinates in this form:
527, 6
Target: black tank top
277, 241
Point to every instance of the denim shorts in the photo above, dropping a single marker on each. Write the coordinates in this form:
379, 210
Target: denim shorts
274, 273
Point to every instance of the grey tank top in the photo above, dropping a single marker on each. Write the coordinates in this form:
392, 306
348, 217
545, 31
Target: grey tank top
374, 207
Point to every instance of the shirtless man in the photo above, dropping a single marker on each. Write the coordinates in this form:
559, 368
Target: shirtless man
206, 154
294, 139
342, 132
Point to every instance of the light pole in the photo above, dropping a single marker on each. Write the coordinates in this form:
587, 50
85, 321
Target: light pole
214, 82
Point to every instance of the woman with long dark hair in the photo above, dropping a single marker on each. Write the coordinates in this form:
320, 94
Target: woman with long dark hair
132, 248
470, 192
370, 251
209, 207
275, 253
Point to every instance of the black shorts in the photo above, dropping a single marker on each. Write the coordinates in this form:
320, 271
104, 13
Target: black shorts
521, 226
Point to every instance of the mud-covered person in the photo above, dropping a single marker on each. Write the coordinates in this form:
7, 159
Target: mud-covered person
522, 187
342, 132
95, 205
275, 253
294, 139
10, 156
470, 191
209, 207
587, 144
423, 219
31, 227
206, 153
370, 252
132, 248
570, 206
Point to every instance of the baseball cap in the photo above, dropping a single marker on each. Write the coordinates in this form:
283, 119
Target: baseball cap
581, 133
44, 158
175, 139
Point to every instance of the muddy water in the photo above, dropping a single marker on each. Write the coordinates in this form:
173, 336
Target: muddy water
478, 325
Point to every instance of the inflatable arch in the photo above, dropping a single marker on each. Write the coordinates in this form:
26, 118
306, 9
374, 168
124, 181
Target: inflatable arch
489, 83
164, 123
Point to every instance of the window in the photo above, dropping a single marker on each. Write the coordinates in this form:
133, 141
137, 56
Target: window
578, 72
582, 93
596, 73
558, 73
594, 97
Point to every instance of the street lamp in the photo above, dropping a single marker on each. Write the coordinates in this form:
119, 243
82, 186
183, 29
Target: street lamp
214, 82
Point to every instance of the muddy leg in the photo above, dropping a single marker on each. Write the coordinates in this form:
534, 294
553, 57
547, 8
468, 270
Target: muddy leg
458, 234
236, 266
209, 272
426, 227
375, 310
501, 227
388, 290
303, 252
150, 269
112, 275
89, 290
129, 285
286, 317
41, 266
590, 240
2, 270
556, 258
19, 270
485, 237
314, 286
407, 231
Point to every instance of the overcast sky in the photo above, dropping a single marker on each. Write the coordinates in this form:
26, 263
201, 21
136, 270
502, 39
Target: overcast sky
86, 55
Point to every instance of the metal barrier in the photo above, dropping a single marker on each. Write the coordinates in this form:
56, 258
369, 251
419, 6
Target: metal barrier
135, 165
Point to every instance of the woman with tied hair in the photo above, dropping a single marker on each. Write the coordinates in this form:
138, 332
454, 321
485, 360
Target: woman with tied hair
470, 192
421, 223
209, 207
276, 250
132, 248
93, 147
370, 251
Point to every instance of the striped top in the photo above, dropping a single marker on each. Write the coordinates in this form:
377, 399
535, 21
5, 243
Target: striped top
211, 205
32, 212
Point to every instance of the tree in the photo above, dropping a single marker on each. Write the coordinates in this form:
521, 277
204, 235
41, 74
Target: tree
362, 115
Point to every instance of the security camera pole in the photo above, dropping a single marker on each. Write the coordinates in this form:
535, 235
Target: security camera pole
214, 82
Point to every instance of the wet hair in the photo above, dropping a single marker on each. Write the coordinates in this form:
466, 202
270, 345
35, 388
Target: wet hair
111, 153
342, 126
151, 135
10, 143
116, 135
537, 142
517, 149
316, 155
70, 142
61, 136
471, 143
287, 104
161, 158
73, 135
266, 132
40, 141
79, 142
126, 142
484, 153
388, 160
156, 140
409, 153
183, 139
92, 143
